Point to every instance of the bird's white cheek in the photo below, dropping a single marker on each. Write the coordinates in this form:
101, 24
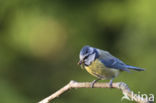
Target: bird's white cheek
90, 59
81, 57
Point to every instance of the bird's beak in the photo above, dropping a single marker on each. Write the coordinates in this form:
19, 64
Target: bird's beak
80, 62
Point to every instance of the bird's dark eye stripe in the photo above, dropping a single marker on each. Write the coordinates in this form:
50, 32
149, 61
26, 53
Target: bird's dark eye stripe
86, 57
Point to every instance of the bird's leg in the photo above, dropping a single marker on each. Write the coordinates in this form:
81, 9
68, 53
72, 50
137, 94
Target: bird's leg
110, 83
93, 82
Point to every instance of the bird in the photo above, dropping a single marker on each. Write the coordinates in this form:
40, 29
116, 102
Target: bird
102, 64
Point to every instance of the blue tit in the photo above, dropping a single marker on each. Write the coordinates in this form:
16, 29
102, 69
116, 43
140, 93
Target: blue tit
102, 64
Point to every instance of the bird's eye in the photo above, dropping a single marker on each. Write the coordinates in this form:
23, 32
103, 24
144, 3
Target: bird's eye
87, 51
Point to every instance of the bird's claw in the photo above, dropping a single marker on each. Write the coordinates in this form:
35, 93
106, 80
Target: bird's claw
110, 85
92, 84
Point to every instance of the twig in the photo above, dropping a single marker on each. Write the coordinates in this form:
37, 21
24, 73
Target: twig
73, 84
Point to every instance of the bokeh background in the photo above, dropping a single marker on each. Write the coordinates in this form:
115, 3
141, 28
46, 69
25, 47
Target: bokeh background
40, 42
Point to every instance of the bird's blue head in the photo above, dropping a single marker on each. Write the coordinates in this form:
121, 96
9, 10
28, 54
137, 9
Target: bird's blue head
88, 55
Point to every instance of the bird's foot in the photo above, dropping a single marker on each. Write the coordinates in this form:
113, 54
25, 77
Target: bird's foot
111, 83
93, 82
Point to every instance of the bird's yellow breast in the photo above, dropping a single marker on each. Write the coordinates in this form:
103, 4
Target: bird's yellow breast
98, 69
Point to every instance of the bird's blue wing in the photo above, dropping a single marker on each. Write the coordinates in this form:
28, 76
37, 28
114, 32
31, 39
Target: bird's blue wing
114, 63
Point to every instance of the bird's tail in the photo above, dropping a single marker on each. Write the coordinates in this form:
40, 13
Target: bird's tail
134, 68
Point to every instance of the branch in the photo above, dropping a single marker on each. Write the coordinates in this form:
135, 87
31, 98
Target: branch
119, 85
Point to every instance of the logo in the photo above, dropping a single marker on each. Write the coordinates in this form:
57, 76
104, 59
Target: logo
139, 97
125, 97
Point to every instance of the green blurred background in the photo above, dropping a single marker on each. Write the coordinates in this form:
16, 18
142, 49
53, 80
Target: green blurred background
40, 42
